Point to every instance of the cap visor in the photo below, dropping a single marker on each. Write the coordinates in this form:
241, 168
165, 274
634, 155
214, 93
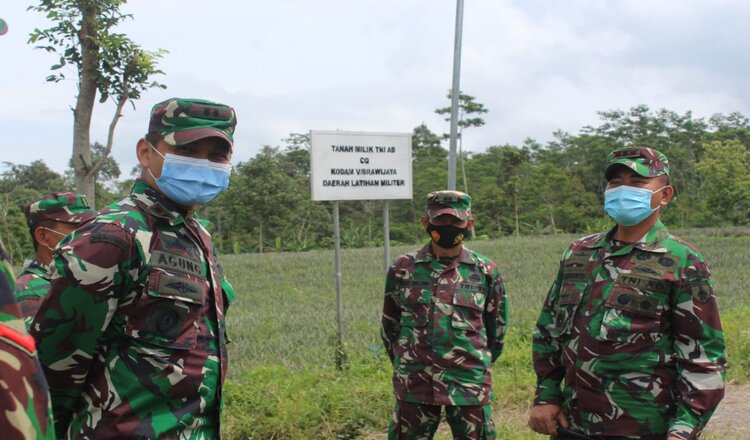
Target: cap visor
187, 136
450, 211
626, 163
77, 218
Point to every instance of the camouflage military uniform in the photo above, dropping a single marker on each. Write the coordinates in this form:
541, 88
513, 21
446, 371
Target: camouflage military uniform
31, 287
633, 332
54, 208
25, 411
443, 326
132, 333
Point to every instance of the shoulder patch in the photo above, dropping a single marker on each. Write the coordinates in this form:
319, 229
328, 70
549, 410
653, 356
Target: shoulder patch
111, 239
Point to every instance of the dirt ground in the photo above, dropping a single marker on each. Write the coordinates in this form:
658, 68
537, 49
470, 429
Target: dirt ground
731, 421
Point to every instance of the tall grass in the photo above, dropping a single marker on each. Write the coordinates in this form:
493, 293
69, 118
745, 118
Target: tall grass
282, 380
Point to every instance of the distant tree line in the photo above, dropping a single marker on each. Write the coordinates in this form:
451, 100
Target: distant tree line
527, 189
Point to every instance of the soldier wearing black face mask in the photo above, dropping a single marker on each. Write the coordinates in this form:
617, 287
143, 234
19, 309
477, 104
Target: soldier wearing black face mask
444, 318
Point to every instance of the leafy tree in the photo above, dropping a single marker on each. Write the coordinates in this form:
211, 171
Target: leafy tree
19, 186
268, 205
467, 106
725, 189
106, 62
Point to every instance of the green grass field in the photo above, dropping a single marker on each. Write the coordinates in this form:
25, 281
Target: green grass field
282, 380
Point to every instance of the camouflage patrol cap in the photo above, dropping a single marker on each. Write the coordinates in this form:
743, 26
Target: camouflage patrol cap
65, 207
645, 161
454, 203
181, 121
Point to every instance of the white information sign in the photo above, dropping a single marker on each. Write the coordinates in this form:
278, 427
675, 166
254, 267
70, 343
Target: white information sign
347, 165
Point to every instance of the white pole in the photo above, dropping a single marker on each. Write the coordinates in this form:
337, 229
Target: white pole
455, 92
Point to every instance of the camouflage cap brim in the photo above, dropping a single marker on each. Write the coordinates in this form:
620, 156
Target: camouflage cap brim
77, 218
641, 169
180, 138
463, 215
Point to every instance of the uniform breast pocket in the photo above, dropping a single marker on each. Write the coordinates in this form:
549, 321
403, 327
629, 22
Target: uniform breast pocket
632, 315
468, 306
167, 311
416, 301
565, 309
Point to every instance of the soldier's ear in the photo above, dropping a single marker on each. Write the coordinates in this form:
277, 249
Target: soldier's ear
143, 152
668, 194
42, 237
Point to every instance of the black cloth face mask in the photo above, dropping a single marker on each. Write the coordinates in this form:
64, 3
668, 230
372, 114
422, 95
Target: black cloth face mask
446, 236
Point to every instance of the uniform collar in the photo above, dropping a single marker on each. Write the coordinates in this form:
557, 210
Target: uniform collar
156, 203
425, 255
38, 268
652, 241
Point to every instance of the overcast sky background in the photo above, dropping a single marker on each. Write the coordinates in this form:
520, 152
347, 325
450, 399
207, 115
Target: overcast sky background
386, 65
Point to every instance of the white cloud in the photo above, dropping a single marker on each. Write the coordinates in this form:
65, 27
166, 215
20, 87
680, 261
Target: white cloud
294, 65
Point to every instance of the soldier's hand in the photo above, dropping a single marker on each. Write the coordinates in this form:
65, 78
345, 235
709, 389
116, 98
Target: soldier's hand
544, 419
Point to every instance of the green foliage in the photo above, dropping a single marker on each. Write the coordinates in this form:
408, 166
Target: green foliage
725, 171
106, 62
532, 189
122, 65
282, 380
19, 186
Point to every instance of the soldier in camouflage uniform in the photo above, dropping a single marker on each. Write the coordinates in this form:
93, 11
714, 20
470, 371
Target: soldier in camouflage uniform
25, 410
444, 318
50, 218
630, 326
132, 332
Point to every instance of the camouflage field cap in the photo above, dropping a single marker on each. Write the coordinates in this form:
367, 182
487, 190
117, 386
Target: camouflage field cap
454, 203
65, 207
181, 121
645, 161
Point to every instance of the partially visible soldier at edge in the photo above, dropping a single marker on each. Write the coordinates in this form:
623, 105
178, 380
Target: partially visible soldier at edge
132, 332
631, 324
50, 218
445, 314
25, 411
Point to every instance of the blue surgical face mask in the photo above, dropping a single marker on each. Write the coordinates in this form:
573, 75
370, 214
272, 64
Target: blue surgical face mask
189, 181
629, 205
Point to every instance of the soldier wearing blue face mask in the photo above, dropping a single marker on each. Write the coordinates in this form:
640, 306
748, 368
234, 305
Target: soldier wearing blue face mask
132, 331
629, 343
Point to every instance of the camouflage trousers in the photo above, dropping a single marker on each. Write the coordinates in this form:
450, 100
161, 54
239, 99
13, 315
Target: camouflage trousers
419, 421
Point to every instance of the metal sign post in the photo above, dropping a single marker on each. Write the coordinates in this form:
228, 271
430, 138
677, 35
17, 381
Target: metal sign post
386, 234
349, 165
340, 354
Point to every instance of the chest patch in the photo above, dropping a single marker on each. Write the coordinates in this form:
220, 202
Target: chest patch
171, 261
642, 283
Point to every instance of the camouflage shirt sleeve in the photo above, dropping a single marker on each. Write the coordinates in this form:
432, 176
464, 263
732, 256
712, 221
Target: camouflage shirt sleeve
699, 350
92, 269
547, 349
391, 313
496, 312
25, 410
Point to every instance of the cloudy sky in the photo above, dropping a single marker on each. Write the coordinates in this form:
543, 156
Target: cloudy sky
386, 65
